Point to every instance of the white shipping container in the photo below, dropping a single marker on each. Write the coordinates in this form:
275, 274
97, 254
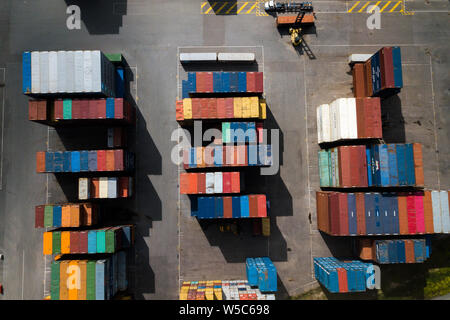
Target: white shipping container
218, 182
436, 205
352, 120
334, 120
236, 56
87, 66
70, 71
79, 79
112, 187
341, 118
53, 72
198, 57
326, 123
35, 73
319, 124
83, 189
445, 216
61, 71
358, 57
210, 182
103, 186
96, 71
43, 69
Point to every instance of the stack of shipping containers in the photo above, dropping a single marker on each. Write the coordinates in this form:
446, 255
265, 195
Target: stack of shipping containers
82, 88
350, 133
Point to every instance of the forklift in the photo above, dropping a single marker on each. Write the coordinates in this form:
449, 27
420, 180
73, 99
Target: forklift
295, 30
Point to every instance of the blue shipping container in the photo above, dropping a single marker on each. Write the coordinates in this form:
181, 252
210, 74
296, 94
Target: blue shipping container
395, 224
100, 275
120, 83
369, 204
401, 164
369, 166
26, 72
217, 82
392, 161
84, 160
410, 173
377, 203
218, 205
234, 82
245, 210
49, 161
218, 156
352, 222
226, 82
92, 241
57, 161
75, 161
92, 160
401, 257
57, 215
236, 207
384, 164
242, 82
392, 249
110, 108
385, 214
397, 61
184, 89
66, 161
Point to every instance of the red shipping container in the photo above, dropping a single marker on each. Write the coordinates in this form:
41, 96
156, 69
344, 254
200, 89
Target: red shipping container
58, 109
259, 82
345, 163
196, 108
411, 210
260, 132
358, 158
184, 183
359, 90
76, 109
179, 110
101, 160
323, 222
372, 109
209, 85
368, 76
39, 216
227, 207
251, 81
241, 155
74, 242
201, 183
41, 110
118, 160
343, 214
212, 104
342, 280
83, 242
118, 108
84, 109
32, 110
360, 214
200, 81
235, 182
92, 109
253, 206
333, 207
229, 108
262, 206
110, 160
387, 68
221, 112
204, 112
226, 179
40, 161
101, 109
420, 214
361, 118
192, 183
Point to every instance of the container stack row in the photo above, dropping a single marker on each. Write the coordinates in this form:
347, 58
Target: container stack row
66, 215
395, 251
342, 276
244, 206
211, 182
373, 213
241, 132
220, 108
379, 165
227, 156
380, 75
222, 82
100, 279
105, 188
84, 161
62, 72
349, 119
105, 240
261, 273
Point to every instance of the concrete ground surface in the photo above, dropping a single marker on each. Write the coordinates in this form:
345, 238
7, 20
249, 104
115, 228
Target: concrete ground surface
170, 245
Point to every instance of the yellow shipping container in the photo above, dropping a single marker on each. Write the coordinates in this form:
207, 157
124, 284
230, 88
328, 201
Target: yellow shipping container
187, 108
81, 293
246, 107
74, 279
262, 109
218, 294
65, 242
237, 104
265, 226
254, 107
63, 291
47, 243
65, 216
183, 296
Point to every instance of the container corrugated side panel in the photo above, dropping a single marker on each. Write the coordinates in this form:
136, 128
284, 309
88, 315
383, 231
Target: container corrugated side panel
397, 61
384, 164
319, 124
210, 182
392, 163
326, 125
218, 182
70, 71
26, 72
409, 164
369, 213
370, 182
378, 221
324, 168
445, 217
79, 78
35, 73
87, 71
334, 120
401, 166
342, 119
44, 71
53, 72
352, 131
61, 66
100, 280
96, 85
385, 215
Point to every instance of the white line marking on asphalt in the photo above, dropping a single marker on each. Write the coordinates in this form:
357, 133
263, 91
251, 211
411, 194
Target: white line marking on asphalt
23, 270
434, 125
178, 170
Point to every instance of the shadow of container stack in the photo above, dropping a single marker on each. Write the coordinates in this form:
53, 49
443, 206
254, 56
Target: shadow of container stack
82, 93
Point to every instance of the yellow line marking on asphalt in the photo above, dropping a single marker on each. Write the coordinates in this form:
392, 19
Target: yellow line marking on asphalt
364, 6
248, 11
204, 4
373, 7
220, 9
355, 5
210, 8
384, 7
232, 7
396, 5
242, 8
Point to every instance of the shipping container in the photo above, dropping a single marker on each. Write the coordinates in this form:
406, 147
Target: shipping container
105, 187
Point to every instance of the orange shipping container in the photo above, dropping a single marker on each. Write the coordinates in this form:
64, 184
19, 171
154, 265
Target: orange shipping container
109, 160
287, 20
75, 215
40, 161
74, 279
63, 291
418, 164
47, 247
184, 183
65, 216
65, 242
368, 76
179, 110
95, 188
235, 182
81, 294
402, 214
359, 88
366, 249
88, 217
193, 189
409, 251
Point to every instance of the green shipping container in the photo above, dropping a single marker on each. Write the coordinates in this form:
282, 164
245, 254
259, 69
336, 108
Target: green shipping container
56, 242
114, 57
48, 216
54, 285
101, 241
110, 241
90, 280
67, 109
226, 132
323, 169
336, 167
